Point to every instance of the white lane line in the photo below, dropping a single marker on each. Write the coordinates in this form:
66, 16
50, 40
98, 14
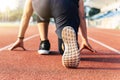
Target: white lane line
6, 47
118, 35
104, 45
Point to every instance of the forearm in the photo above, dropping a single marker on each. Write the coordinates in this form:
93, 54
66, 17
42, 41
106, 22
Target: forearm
83, 27
23, 26
27, 13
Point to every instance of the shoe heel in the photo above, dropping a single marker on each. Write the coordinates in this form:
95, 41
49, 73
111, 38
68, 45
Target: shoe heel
71, 56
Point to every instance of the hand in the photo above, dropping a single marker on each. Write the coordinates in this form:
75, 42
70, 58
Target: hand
18, 43
86, 45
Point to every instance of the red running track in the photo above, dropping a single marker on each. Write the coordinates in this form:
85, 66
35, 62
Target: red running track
29, 65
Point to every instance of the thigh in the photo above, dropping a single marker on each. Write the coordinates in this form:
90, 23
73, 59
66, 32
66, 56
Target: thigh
39, 19
65, 13
42, 8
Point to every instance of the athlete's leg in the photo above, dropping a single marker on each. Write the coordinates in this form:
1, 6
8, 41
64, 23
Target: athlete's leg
44, 46
42, 8
67, 20
43, 30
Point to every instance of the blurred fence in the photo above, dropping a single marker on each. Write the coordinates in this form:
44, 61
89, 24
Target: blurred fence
108, 23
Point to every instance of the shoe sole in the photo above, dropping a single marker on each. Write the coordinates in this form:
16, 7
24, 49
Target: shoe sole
43, 52
71, 56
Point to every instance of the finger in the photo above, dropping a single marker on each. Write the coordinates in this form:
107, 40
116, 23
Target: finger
95, 51
12, 48
85, 47
23, 48
91, 49
81, 49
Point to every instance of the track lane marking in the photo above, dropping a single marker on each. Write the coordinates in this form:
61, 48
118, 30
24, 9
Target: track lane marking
26, 39
104, 45
96, 41
109, 33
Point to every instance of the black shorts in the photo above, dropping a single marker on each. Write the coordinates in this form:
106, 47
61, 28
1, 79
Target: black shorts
65, 13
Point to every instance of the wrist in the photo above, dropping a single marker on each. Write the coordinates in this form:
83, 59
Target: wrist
84, 39
21, 38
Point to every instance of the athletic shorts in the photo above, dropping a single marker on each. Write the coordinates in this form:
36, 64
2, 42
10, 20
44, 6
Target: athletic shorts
64, 12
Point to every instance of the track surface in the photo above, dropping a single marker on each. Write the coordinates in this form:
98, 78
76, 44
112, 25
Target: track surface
29, 65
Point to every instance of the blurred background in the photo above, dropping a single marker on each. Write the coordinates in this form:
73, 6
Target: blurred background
11, 11
99, 13
103, 13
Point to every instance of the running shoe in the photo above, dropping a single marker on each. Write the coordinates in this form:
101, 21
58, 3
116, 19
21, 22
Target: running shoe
44, 47
61, 47
71, 55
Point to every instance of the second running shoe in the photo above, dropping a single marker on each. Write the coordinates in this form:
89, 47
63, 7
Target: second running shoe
44, 47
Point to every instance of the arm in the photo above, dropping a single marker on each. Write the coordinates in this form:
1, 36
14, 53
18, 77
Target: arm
85, 44
27, 13
83, 27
